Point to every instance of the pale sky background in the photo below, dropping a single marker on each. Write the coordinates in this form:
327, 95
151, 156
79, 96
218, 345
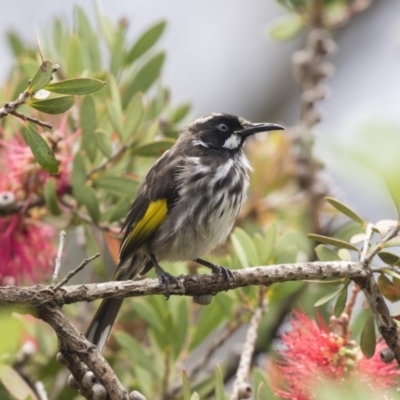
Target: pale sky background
220, 59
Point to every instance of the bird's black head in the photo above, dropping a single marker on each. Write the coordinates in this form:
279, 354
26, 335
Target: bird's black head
225, 131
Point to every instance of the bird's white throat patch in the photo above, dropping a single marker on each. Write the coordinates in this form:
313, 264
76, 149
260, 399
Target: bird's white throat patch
233, 142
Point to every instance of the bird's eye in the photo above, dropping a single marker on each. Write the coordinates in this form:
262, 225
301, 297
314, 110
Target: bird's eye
223, 127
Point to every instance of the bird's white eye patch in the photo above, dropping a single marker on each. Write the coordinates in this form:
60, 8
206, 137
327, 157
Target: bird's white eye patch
233, 142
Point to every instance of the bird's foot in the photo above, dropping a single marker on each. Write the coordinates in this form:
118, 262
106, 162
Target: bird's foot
218, 269
165, 278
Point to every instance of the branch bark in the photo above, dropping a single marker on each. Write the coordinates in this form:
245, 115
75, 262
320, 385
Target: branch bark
189, 285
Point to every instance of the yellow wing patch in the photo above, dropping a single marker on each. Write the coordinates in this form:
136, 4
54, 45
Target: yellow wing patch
153, 217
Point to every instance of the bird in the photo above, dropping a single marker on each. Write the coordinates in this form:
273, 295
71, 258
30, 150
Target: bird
185, 206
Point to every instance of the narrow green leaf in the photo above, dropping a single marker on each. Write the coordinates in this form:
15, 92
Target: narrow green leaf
117, 51
136, 351
269, 241
134, 117
117, 185
248, 246
78, 173
340, 302
113, 114
145, 77
187, 392
325, 253
88, 118
388, 289
87, 197
103, 142
239, 250
325, 299
389, 258
153, 149
89, 39
42, 77
74, 56
219, 384
346, 210
55, 105
395, 275
50, 197
286, 28
76, 86
145, 42
15, 384
341, 244
40, 149
16, 44
106, 25
368, 338
179, 113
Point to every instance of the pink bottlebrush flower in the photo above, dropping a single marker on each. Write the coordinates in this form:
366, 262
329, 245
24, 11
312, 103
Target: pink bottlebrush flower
27, 251
20, 173
313, 355
26, 242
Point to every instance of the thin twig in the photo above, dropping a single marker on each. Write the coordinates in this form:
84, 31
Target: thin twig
58, 258
378, 247
75, 271
241, 387
368, 236
31, 119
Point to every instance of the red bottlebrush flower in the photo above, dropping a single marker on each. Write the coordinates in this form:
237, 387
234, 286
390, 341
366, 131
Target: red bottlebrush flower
311, 355
26, 242
27, 251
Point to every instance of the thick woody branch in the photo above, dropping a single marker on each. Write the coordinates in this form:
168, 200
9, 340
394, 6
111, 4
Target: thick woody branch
189, 285
79, 354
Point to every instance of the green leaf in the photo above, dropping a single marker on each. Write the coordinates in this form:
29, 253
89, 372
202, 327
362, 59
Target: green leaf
145, 42
187, 392
78, 173
136, 351
42, 77
103, 142
239, 250
388, 289
117, 51
153, 149
180, 313
248, 246
134, 116
282, 290
117, 185
88, 118
50, 196
87, 197
113, 114
179, 113
89, 39
15, 384
325, 299
219, 384
368, 338
325, 253
55, 105
40, 149
266, 244
341, 244
286, 27
76, 86
340, 302
74, 56
389, 258
145, 77
346, 210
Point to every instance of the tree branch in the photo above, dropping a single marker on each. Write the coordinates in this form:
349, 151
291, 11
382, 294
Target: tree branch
189, 285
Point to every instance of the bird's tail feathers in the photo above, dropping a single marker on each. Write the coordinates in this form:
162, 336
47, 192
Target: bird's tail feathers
100, 327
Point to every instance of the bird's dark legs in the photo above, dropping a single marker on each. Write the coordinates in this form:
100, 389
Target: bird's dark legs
163, 277
217, 269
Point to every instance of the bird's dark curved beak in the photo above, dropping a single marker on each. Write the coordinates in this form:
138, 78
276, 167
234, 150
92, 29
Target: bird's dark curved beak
251, 129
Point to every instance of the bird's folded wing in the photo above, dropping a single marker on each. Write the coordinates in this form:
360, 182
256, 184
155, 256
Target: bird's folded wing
142, 230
